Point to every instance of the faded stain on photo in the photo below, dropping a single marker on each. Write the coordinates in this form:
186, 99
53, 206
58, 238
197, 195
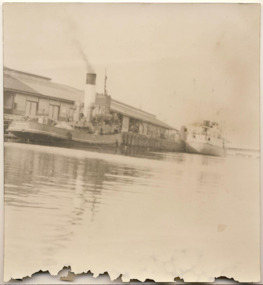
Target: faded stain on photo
131, 141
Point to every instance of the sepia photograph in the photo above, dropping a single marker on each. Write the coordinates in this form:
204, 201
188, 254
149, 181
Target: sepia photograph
131, 142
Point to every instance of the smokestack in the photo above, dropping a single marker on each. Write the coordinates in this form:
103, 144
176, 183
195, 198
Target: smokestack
90, 94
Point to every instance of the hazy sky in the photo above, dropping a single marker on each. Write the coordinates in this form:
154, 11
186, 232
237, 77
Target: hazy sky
182, 62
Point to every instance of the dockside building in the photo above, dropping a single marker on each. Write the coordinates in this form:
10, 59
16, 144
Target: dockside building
27, 94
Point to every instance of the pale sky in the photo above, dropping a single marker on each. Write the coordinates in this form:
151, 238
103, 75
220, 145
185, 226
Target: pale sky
182, 62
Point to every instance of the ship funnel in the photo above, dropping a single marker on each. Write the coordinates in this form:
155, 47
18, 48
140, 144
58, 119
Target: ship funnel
90, 94
91, 78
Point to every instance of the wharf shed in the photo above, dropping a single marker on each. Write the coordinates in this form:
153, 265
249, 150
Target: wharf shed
27, 94
139, 121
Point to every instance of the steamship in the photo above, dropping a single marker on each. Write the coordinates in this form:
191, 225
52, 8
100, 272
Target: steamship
100, 122
42, 129
204, 138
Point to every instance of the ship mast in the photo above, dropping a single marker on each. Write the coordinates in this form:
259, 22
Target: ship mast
105, 83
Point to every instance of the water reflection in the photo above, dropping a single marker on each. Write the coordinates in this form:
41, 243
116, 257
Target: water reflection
68, 205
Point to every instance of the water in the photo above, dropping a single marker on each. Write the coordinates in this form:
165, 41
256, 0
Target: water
171, 215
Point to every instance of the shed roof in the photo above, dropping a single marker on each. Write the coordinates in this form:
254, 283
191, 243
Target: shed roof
137, 114
15, 84
31, 84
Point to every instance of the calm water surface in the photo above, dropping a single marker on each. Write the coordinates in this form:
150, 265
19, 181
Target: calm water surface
170, 215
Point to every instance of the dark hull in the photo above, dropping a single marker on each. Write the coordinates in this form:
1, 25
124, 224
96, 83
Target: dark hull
36, 133
28, 137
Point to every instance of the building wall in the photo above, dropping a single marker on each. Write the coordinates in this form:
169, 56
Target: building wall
32, 105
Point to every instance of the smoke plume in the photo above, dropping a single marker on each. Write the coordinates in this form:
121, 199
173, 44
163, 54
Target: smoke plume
73, 32
89, 67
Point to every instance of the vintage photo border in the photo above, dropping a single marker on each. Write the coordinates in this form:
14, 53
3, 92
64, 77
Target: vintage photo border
56, 280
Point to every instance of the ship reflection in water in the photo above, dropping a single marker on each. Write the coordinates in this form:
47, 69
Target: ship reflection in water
174, 213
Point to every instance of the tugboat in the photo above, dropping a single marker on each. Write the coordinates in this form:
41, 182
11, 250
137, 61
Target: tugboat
44, 130
204, 138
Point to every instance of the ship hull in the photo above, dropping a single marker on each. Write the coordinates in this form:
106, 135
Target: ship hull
43, 134
204, 148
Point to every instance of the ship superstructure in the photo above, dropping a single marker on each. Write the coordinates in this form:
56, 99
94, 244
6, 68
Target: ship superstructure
204, 138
